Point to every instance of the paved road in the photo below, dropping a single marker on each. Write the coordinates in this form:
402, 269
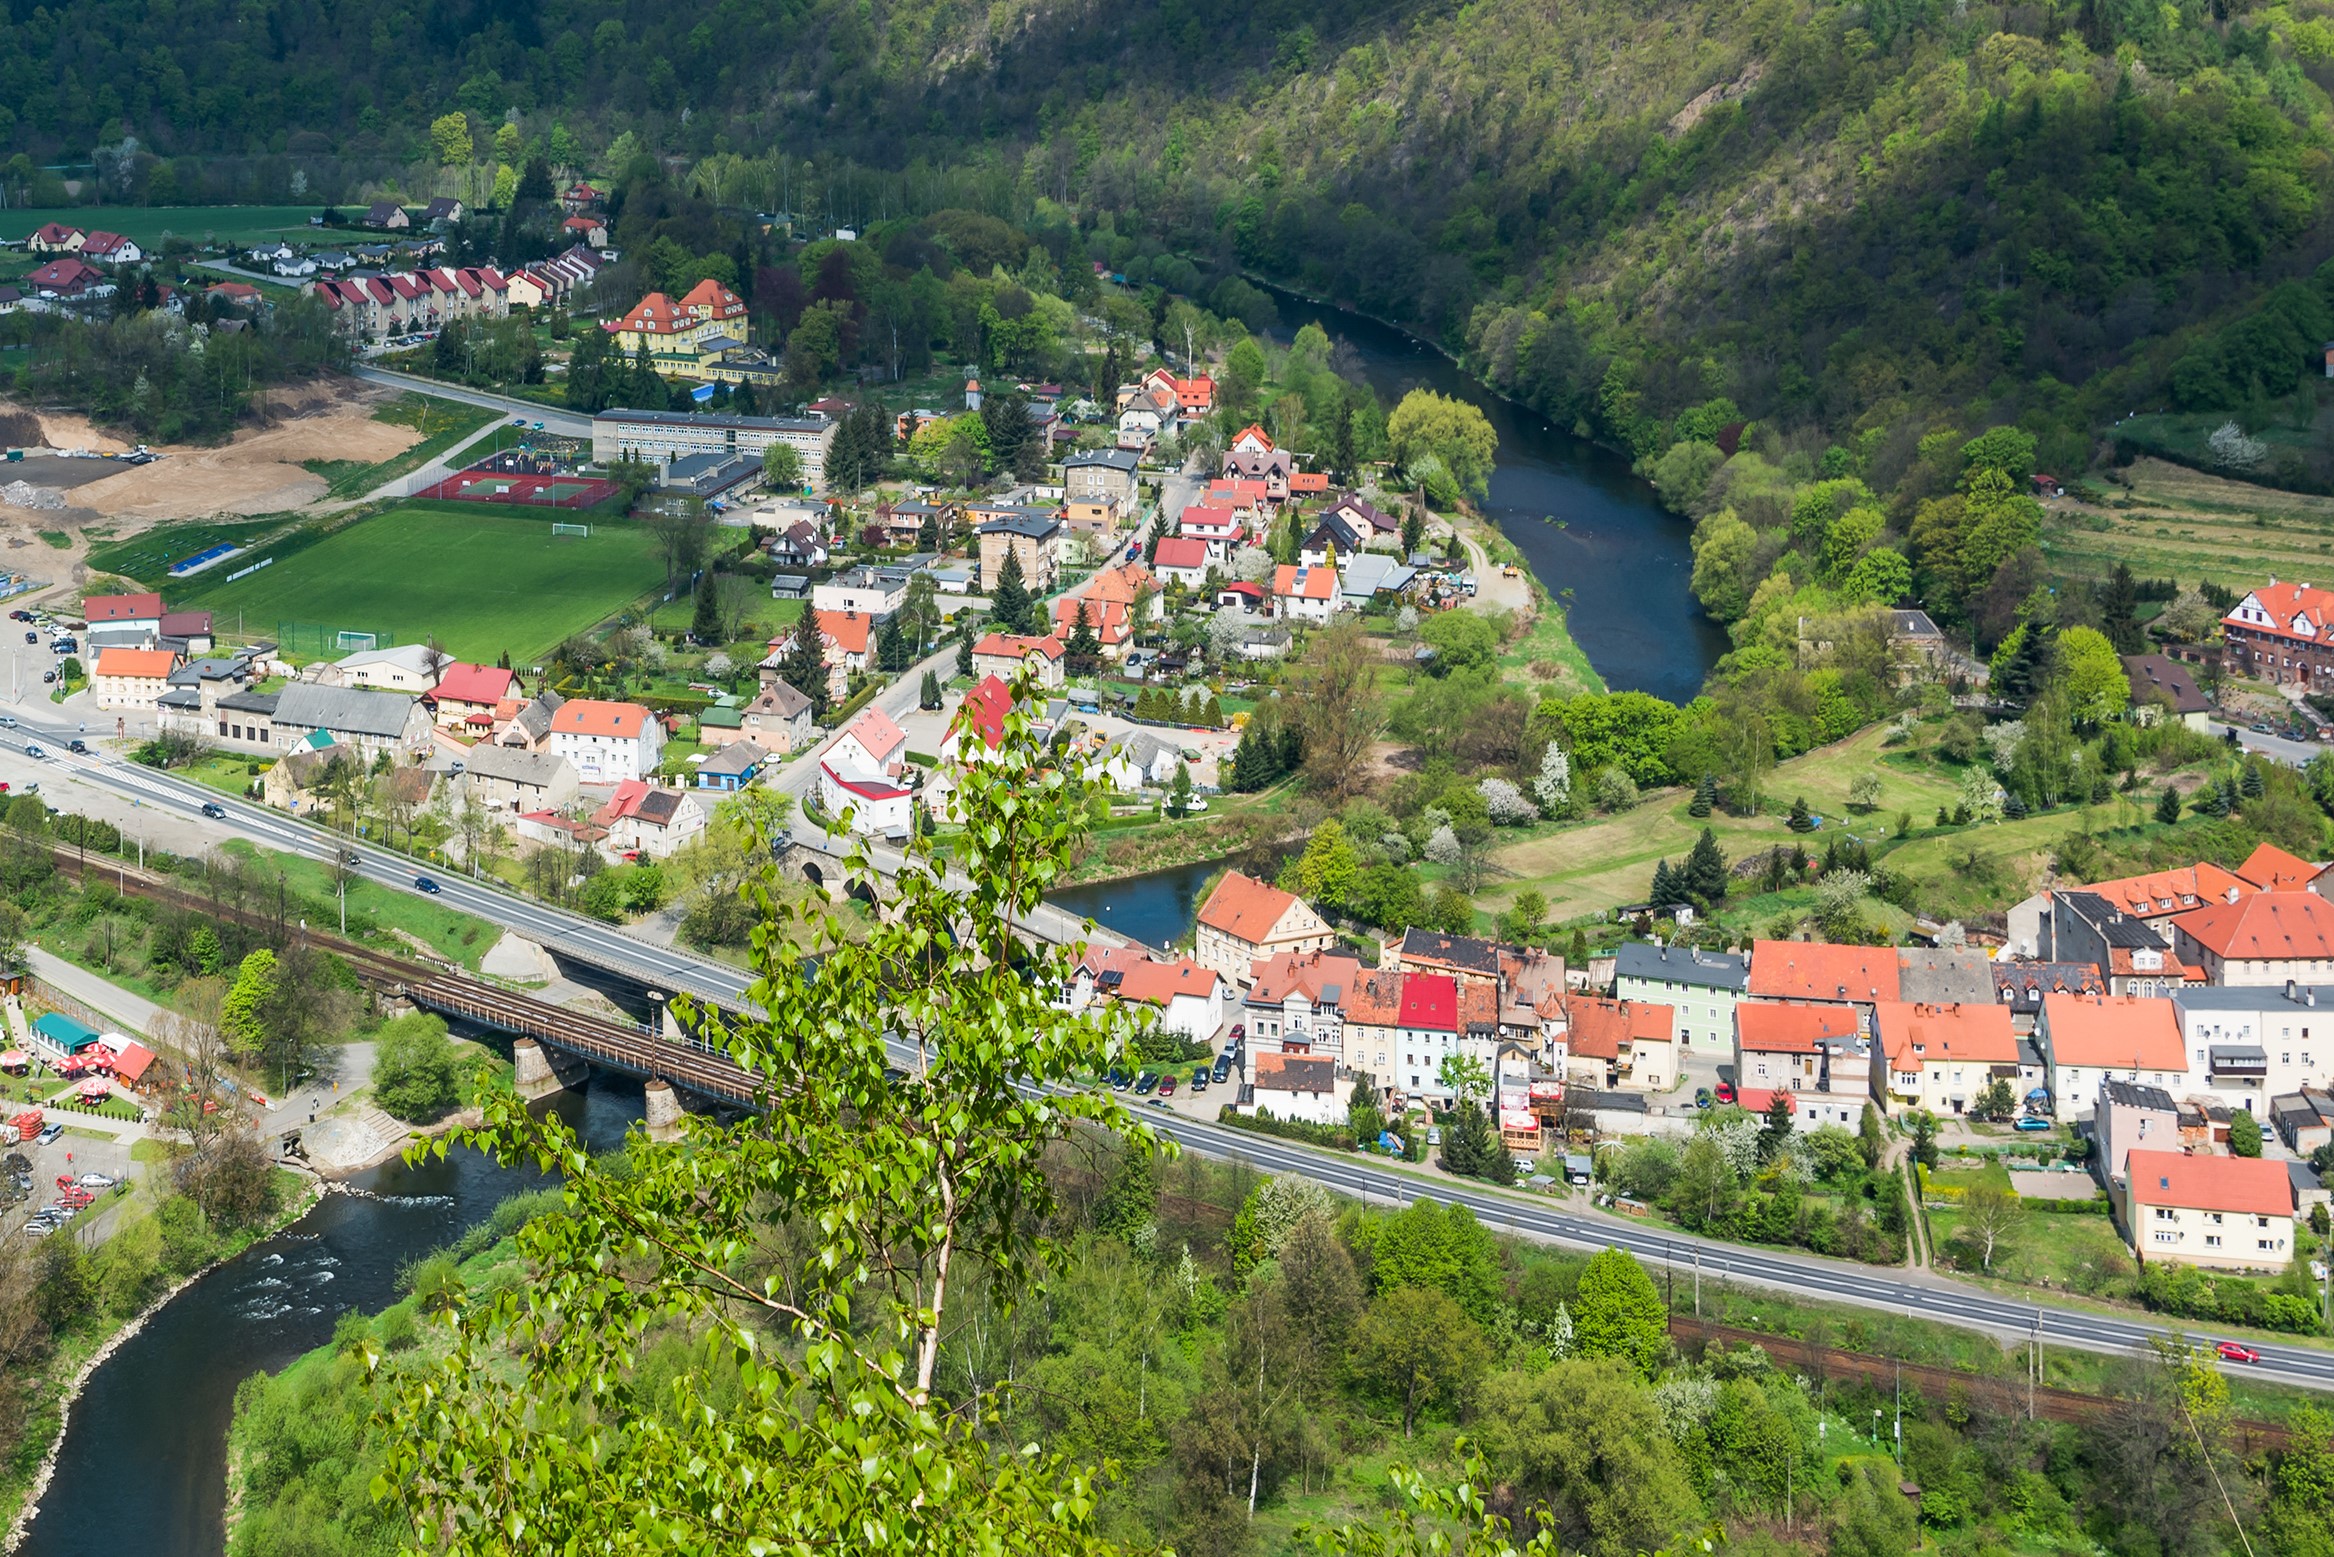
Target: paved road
2275, 747
1918, 1294
553, 419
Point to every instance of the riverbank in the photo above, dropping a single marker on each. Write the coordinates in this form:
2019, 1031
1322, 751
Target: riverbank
77, 1359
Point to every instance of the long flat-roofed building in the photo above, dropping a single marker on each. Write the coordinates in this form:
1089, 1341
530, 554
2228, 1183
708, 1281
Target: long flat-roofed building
660, 437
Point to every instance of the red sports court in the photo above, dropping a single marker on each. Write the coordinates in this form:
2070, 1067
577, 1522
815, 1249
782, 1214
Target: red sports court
530, 491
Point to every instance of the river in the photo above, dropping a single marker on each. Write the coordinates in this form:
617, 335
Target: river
1625, 559
143, 1468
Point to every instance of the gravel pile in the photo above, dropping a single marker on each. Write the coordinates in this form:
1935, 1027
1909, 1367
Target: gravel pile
23, 494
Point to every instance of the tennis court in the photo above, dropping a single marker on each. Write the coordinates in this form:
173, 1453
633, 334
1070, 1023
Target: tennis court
494, 486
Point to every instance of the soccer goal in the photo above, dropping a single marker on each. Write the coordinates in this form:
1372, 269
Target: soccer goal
356, 640
559, 528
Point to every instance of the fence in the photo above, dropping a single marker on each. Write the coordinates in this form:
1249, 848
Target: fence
327, 638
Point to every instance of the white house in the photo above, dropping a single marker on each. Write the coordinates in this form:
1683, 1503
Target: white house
1295, 1086
1304, 594
642, 818
877, 806
2251, 1043
1185, 997
607, 742
2223, 1213
2088, 1039
871, 744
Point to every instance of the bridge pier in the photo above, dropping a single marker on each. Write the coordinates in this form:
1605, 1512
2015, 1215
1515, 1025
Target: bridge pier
664, 1111
543, 1071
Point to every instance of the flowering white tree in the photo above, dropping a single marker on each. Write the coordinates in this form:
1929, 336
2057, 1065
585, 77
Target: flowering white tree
1443, 847
1252, 564
2231, 447
1553, 788
1505, 803
1738, 1142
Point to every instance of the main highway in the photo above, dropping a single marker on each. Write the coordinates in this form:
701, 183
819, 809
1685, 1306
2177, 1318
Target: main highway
1679, 1260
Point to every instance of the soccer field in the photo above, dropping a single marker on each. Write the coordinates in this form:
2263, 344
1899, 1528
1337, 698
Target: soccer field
479, 583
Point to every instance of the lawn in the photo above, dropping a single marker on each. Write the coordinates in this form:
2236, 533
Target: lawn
1593, 868
456, 935
149, 225
480, 583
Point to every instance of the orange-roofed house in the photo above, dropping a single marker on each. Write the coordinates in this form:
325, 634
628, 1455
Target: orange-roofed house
2221, 1213
2268, 938
1245, 921
871, 743
1184, 997
1113, 628
132, 678
2280, 633
2272, 869
1194, 397
608, 743
1183, 559
1620, 1045
1006, 655
2154, 898
1123, 586
1784, 1044
1301, 594
1938, 1058
1860, 976
2089, 1039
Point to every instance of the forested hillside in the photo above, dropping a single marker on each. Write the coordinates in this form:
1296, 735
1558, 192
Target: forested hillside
1840, 217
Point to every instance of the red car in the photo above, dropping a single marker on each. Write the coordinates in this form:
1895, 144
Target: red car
1726, 1092
2232, 1352
76, 1198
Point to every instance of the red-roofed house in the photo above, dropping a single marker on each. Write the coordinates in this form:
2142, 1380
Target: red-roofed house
1859, 976
2267, 938
1184, 560
642, 818
1939, 1057
1219, 529
2282, 633
1308, 483
123, 612
1005, 655
592, 230
2272, 869
981, 716
1628, 1044
130, 1066
111, 248
1185, 997
1194, 397
871, 743
132, 678
607, 742
2221, 1213
66, 277
1303, 594
54, 238
877, 805
470, 694
1435, 1021
1244, 921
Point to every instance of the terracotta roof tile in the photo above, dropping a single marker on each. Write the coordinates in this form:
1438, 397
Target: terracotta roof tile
2251, 1186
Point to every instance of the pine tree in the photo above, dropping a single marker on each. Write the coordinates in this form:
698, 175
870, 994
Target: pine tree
1084, 648
1413, 531
891, 647
1576, 950
928, 695
1665, 886
964, 653
1800, 821
805, 665
1705, 797
2119, 612
1213, 714
2252, 785
705, 625
1010, 605
1704, 877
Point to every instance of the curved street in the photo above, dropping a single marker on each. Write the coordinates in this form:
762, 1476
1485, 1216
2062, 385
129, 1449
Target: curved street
1918, 1295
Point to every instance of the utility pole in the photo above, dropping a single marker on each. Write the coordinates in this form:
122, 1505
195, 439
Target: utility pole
2034, 1365
1697, 1281
1899, 1429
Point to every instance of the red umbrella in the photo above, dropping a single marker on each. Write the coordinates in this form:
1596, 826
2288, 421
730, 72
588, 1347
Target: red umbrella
93, 1087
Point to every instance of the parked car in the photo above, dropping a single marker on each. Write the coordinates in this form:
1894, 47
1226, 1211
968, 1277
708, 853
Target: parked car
214, 810
32, 637
1167, 1085
50, 1135
2030, 1122
425, 884
1701, 1097
1148, 1085
1221, 1069
1726, 1092
1434, 1135
1199, 1078
1118, 1079
2232, 1351
98, 1181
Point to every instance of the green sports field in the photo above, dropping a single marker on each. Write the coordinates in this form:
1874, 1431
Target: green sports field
148, 225
479, 583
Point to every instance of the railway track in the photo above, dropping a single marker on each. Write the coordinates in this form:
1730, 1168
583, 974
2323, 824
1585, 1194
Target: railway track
633, 1049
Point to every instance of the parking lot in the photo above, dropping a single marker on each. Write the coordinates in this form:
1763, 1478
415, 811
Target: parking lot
73, 1155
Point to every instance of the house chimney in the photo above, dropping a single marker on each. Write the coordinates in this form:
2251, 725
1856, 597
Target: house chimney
2290, 992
